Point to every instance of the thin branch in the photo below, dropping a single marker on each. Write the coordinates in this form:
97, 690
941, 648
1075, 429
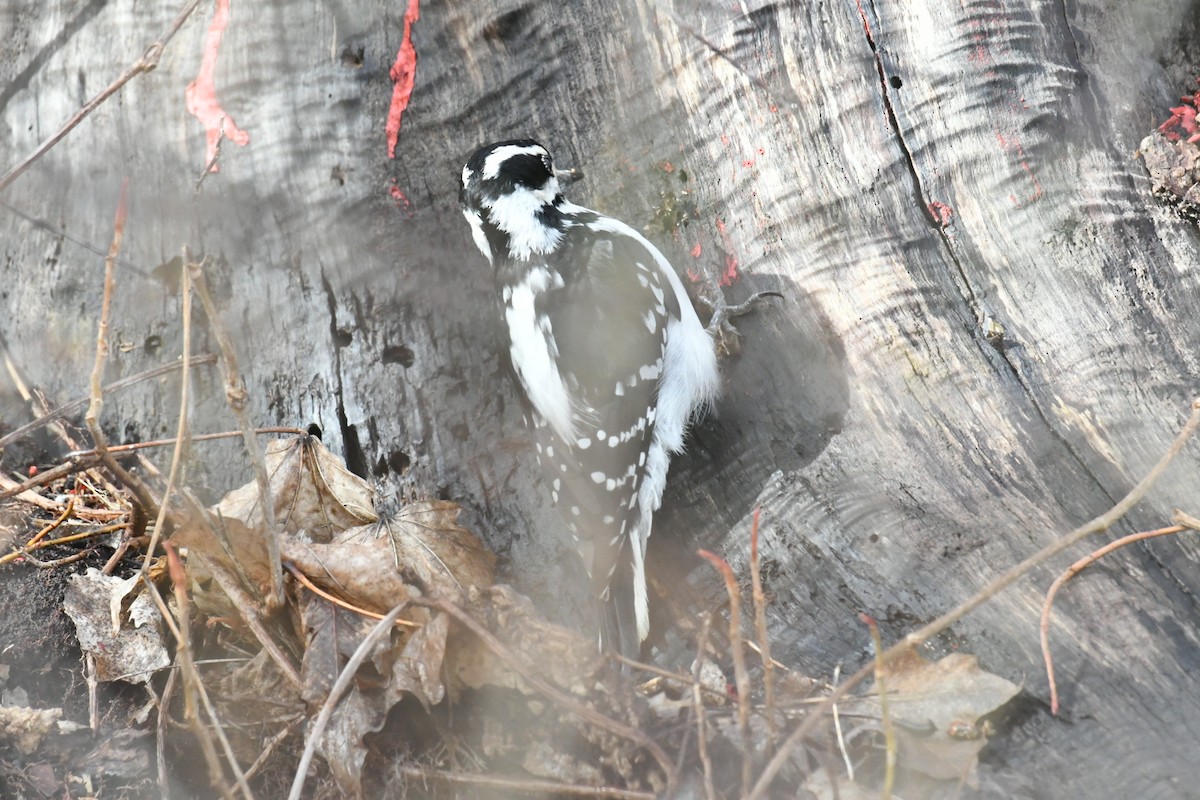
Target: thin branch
236, 397
147, 62
249, 610
1071, 572
741, 675
524, 785
182, 426
62, 411
760, 627
698, 708
889, 732
998, 584
134, 447
837, 727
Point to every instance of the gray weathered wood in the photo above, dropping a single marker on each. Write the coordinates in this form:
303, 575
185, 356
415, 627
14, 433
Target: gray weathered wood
902, 455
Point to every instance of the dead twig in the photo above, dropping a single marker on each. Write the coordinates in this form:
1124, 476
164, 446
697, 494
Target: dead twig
998, 584
249, 609
24, 552
1071, 572
147, 62
381, 629
760, 627
741, 675
37, 537
837, 727
193, 686
889, 733
96, 394
531, 676
698, 708
133, 447
524, 785
55, 414
236, 397
683, 680
182, 426
337, 601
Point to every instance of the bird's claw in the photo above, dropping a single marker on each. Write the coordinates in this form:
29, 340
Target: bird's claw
720, 326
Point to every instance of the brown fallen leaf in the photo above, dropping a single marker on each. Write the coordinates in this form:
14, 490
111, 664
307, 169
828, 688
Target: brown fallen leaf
311, 488
117, 625
373, 566
936, 708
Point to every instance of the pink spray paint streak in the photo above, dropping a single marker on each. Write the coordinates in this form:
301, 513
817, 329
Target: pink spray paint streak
201, 94
403, 74
730, 275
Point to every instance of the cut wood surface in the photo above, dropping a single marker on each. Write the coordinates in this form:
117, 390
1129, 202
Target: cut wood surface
988, 331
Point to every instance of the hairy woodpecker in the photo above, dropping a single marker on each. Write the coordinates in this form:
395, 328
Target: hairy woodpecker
609, 354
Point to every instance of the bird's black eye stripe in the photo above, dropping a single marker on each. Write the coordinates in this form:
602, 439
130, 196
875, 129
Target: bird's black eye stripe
524, 170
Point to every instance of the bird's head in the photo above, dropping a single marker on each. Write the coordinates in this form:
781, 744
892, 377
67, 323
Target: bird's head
509, 195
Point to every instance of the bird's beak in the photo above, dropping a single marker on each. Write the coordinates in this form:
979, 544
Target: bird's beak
566, 176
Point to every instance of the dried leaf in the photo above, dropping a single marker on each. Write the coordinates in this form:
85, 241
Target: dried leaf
131, 649
418, 669
373, 566
936, 709
561, 656
311, 488
26, 727
235, 546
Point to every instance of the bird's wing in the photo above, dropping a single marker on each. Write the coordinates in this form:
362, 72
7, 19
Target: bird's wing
608, 321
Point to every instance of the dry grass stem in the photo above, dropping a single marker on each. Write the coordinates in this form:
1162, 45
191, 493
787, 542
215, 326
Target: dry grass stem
524, 785
1071, 572
760, 627
698, 708
741, 675
837, 727
999, 584
147, 62
381, 629
340, 603
235, 395
885, 713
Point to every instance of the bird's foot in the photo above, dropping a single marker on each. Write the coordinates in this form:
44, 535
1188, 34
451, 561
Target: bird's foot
720, 325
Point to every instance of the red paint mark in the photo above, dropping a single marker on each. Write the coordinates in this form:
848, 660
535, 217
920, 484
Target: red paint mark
773, 108
941, 212
404, 75
400, 200
730, 275
863, 16
1184, 118
724, 140
1014, 147
692, 275
33, 470
201, 94
668, 166
749, 162
696, 251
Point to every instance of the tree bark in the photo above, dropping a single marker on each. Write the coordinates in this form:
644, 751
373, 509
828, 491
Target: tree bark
987, 335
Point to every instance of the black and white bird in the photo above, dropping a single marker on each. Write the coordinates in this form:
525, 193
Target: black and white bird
609, 354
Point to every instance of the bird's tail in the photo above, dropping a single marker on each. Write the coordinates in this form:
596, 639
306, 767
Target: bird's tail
619, 629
